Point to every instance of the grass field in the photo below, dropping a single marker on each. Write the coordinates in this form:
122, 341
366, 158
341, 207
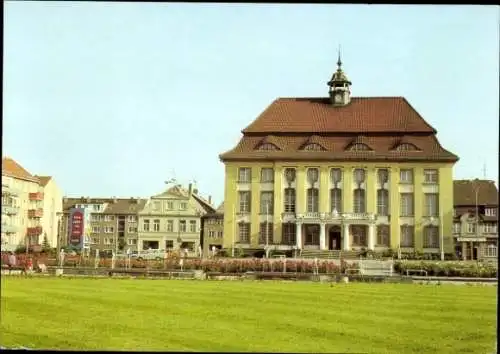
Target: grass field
52, 313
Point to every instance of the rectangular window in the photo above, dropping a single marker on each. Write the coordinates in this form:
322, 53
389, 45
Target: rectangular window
312, 200
132, 229
431, 207
192, 225
244, 232
266, 203
490, 212
169, 244
406, 176
97, 207
170, 205
491, 251
132, 218
431, 237
220, 234
431, 176
132, 241
109, 217
407, 236
95, 240
336, 200
182, 225
383, 235
244, 175
170, 225
490, 228
211, 234
109, 229
359, 201
94, 217
184, 206
244, 198
289, 200
156, 225
456, 228
383, 202
471, 228
289, 232
358, 235
406, 206
267, 175
266, 233
96, 229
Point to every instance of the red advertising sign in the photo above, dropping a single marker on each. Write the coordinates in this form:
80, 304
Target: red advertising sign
76, 228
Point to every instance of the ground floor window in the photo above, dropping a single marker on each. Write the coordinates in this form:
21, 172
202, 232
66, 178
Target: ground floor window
383, 235
312, 235
431, 237
491, 251
132, 241
289, 233
188, 246
266, 233
358, 235
169, 244
154, 245
244, 232
407, 236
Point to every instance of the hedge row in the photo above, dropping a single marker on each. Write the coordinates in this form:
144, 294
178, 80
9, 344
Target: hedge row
449, 269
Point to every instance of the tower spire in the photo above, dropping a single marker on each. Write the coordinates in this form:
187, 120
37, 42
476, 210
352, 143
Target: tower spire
339, 60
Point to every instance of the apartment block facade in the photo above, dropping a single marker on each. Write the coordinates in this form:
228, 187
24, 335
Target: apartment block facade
475, 222
113, 221
212, 230
30, 205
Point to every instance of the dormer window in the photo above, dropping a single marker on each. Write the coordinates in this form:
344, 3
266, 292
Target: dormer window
359, 147
313, 147
406, 147
267, 147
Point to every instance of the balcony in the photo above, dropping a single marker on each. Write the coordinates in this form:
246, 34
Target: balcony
7, 190
9, 210
35, 213
34, 231
9, 229
38, 196
327, 217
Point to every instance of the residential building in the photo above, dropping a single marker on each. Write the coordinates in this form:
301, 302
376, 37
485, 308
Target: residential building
212, 230
172, 219
475, 226
339, 172
113, 222
30, 205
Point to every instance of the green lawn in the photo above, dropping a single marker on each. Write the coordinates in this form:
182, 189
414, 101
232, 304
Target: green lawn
55, 313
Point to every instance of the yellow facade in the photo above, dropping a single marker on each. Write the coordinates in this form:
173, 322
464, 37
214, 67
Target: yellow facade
444, 187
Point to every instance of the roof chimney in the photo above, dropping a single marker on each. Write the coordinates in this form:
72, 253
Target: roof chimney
210, 199
190, 189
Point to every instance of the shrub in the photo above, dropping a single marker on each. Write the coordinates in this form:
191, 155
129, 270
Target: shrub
451, 269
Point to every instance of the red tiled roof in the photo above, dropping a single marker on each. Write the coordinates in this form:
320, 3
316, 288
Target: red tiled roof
464, 192
44, 180
361, 115
335, 149
12, 168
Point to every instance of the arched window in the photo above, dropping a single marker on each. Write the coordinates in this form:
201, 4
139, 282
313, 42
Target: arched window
406, 147
359, 147
313, 147
267, 147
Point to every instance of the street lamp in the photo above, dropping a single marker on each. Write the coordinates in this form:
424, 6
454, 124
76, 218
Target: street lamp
476, 190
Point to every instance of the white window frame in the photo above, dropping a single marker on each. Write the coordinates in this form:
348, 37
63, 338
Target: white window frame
490, 212
192, 225
406, 176
146, 225
289, 232
431, 176
244, 175
431, 201
244, 233
266, 197
336, 200
267, 175
312, 200
457, 227
220, 234
407, 204
359, 200
471, 227
96, 229
183, 206
170, 205
132, 229
170, 225
491, 251
245, 199
132, 218
182, 225
407, 234
383, 202
156, 225
211, 234
431, 237
290, 200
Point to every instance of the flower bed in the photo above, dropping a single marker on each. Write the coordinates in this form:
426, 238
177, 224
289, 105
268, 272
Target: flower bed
449, 269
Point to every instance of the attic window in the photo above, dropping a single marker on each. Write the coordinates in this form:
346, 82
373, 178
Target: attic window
313, 147
406, 147
359, 147
268, 147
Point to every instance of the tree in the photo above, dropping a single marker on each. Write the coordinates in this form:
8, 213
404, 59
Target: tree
45, 244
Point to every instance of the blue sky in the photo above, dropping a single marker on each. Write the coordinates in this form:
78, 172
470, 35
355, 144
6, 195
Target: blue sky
112, 99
